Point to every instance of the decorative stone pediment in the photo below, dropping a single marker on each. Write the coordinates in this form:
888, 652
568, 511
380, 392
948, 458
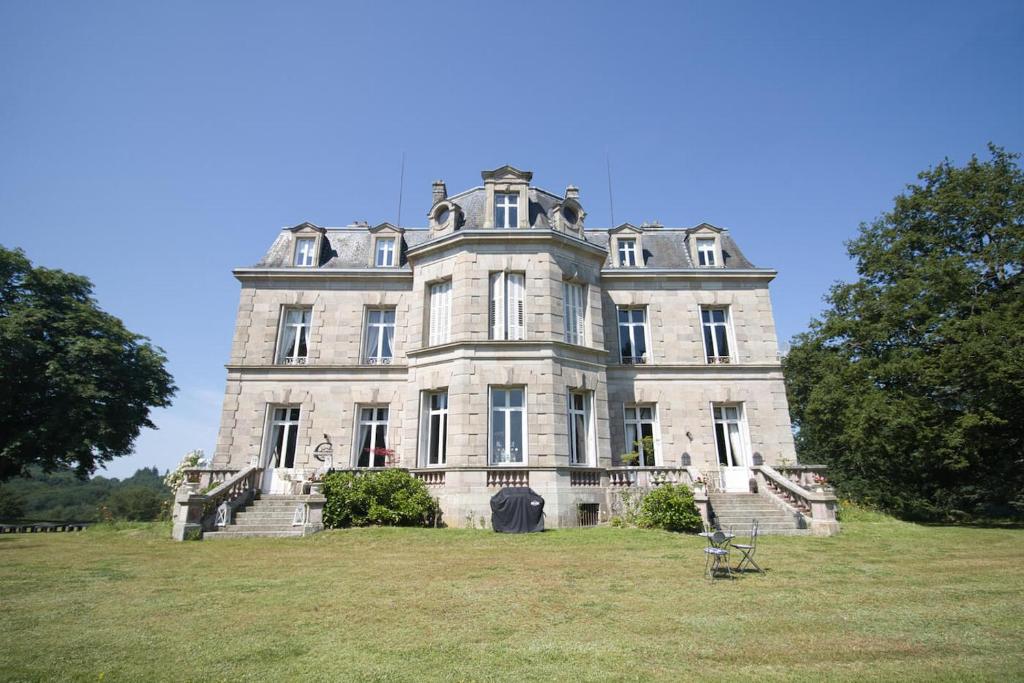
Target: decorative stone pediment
385, 228
506, 173
307, 227
625, 228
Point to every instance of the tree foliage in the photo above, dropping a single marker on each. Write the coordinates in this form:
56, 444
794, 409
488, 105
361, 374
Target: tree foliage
64, 497
77, 385
911, 385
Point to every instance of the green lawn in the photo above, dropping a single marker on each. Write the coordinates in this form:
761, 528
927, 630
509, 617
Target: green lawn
885, 600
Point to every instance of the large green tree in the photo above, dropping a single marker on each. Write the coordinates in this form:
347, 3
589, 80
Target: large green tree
76, 386
911, 384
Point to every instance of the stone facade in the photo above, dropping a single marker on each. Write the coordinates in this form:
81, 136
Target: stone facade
333, 375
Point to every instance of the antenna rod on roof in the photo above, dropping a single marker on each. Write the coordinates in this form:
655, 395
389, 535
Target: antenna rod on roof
401, 184
611, 204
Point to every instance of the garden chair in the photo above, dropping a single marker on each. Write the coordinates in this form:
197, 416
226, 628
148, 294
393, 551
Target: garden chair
748, 550
716, 555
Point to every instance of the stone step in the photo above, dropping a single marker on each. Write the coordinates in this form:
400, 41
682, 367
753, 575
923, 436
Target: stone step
274, 509
263, 521
282, 499
251, 533
276, 514
263, 527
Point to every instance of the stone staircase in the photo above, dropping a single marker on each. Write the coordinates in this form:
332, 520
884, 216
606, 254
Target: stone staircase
266, 516
734, 512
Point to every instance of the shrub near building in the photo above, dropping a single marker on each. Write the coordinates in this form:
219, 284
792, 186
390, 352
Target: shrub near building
389, 498
671, 508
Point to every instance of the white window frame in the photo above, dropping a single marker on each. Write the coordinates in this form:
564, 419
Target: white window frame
373, 423
742, 430
638, 422
717, 358
290, 356
385, 252
507, 412
305, 258
288, 425
626, 250
440, 311
587, 412
375, 356
505, 203
574, 312
507, 311
429, 412
633, 360
706, 252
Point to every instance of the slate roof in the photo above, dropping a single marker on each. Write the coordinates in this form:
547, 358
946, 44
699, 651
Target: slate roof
349, 247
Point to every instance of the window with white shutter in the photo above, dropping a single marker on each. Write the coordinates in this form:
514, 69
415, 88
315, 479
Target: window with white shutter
440, 313
507, 314
574, 312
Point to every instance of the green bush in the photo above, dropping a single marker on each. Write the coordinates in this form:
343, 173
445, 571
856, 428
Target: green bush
388, 498
670, 507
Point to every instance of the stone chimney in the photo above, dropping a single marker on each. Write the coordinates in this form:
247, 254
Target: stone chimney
572, 192
440, 191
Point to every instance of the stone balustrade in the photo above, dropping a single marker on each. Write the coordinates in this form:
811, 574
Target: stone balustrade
430, 478
648, 477
203, 477
507, 477
195, 513
585, 477
818, 506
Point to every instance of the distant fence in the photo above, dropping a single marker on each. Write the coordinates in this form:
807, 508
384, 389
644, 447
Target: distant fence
41, 527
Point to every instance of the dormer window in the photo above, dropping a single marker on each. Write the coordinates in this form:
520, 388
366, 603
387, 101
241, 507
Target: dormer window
706, 252
627, 252
506, 210
305, 251
385, 252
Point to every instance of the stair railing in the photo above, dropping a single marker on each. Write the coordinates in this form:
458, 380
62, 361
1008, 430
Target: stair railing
195, 513
818, 506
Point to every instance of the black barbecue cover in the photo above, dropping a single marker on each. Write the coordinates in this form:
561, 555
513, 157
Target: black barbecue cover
517, 510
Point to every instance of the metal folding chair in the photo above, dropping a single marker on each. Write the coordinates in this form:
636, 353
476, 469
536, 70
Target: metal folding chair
716, 555
748, 550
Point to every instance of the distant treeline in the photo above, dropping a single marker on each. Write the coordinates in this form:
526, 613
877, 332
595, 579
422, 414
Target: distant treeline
63, 497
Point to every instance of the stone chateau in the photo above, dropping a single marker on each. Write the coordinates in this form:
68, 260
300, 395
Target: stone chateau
507, 344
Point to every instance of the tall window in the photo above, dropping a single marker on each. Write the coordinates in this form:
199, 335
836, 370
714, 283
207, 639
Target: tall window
508, 308
633, 335
437, 428
640, 433
508, 425
580, 449
705, 252
729, 436
506, 210
380, 335
627, 252
385, 251
373, 437
304, 251
440, 312
293, 346
716, 334
574, 313
284, 430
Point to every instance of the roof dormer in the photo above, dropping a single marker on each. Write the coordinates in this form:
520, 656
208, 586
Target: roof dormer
569, 214
705, 243
507, 202
626, 246
307, 245
385, 246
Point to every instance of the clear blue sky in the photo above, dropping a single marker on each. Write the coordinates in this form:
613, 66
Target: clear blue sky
154, 146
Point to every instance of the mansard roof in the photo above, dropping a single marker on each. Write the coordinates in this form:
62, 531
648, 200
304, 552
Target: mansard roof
349, 247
